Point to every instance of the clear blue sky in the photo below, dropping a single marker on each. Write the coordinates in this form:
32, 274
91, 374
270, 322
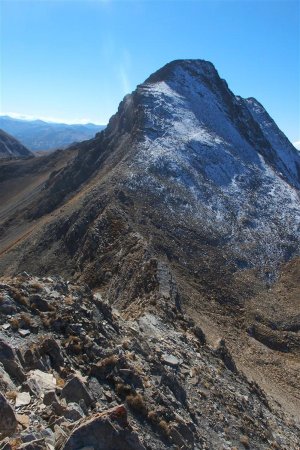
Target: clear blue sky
74, 60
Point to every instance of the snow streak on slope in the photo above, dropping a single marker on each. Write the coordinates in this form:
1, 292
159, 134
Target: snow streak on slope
217, 162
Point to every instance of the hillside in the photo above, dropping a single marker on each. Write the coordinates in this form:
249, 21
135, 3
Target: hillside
187, 202
11, 148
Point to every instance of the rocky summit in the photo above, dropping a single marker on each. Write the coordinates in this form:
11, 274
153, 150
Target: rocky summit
174, 320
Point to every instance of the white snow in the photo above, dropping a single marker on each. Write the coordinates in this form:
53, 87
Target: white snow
199, 165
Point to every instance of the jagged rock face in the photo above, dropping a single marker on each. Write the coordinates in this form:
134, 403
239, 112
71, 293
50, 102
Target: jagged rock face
11, 148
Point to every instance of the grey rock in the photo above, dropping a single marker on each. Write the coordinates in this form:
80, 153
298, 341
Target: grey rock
38, 444
105, 431
40, 382
7, 305
170, 360
8, 421
11, 362
74, 412
6, 382
74, 391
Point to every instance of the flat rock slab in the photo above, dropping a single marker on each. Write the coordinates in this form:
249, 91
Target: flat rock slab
171, 360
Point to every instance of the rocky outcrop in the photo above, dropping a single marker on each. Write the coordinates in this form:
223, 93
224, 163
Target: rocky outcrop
92, 377
105, 431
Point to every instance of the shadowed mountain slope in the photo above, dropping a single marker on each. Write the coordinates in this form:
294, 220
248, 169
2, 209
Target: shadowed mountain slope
11, 148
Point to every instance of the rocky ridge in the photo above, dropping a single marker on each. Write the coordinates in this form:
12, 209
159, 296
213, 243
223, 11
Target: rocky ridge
75, 373
183, 215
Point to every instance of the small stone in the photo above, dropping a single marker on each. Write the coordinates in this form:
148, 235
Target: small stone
22, 399
23, 420
169, 359
23, 332
6, 326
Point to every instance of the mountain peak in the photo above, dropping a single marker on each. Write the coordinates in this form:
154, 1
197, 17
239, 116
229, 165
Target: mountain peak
196, 67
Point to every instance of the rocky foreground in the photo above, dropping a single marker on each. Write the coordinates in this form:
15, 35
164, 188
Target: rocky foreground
76, 374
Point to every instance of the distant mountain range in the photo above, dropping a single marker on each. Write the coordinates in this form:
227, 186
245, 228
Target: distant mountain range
39, 135
11, 148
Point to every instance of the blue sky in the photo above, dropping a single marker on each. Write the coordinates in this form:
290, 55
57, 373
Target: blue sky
74, 60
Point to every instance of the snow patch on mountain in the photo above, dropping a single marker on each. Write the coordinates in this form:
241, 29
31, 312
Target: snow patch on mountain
201, 157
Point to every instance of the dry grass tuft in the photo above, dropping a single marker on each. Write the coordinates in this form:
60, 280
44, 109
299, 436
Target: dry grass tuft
137, 403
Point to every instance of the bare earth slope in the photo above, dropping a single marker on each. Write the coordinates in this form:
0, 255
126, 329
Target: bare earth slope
190, 194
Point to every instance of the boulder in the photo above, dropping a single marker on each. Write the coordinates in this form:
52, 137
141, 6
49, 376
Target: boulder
73, 412
8, 420
6, 383
39, 303
105, 431
74, 391
51, 348
40, 382
7, 305
10, 362
38, 444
